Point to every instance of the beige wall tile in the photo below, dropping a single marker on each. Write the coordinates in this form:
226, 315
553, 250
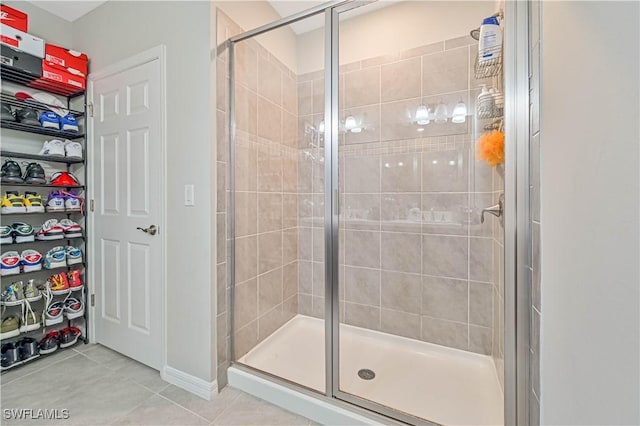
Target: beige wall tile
270, 208
305, 243
362, 87
289, 245
401, 292
361, 211
481, 304
398, 118
368, 118
446, 71
401, 172
246, 213
289, 129
362, 174
445, 213
362, 248
362, 316
305, 304
246, 258
269, 251
246, 167
400, 323
480, 340
290, 210
269, 81
401, 212
270, 322
445, 298
305, 277
445, 170
305, 105
318, 279
246, 338
480, 259
269, 120
290, 280
269, 290
246, 65
447, 333
445, 256
289, 94
246, 109
401, 252
318, 96
362, 285
401, 80
269, 168
245, 303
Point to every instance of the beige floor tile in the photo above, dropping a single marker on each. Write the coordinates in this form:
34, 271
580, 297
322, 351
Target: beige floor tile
247, 410
207, 409
160, 411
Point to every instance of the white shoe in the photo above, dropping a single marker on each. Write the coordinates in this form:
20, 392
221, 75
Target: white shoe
53, 148
73, 149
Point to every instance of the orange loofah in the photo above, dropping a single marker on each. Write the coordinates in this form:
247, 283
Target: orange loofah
491, 148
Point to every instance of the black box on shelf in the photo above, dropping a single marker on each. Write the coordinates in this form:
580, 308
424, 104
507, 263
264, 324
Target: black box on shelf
13, 59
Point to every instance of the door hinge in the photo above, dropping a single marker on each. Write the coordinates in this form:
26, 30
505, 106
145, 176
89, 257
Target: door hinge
93, 300
90, 107
91, 205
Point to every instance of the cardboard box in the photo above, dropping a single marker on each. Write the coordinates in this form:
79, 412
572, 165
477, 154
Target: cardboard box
66, 59
22, 41
14, 18
60, 77
15, 60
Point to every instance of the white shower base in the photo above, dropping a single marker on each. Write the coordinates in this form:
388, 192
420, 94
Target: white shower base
444, 385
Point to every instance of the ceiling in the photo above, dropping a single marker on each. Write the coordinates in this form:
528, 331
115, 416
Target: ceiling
72, 10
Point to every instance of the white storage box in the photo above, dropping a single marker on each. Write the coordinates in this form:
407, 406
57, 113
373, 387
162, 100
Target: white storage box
22, 41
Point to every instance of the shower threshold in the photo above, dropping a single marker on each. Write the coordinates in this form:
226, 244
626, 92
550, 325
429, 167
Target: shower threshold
433, 382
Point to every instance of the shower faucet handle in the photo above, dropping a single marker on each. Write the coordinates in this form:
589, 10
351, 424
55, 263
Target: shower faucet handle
494, 210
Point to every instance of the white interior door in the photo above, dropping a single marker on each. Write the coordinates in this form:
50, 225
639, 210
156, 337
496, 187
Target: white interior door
127, 170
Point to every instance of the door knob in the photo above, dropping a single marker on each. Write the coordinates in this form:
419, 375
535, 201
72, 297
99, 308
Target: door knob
494, 210
150, 230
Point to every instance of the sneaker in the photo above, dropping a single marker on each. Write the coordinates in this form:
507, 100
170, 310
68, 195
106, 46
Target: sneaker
23, 232
9, 263
55, 258
73, 308
58, 283
27, 116
12, 202
75, 279
33, 202
31, 292
10, 296
69, 336
11, 172
9, 353
53, 315
69, 123
6, 234
52, 148
49, 343
74, 255
9, 328
30, 321
50, 230
64, 179
7, 114
50, 120
72, 201
34, 174
70, 228
31, 260
55, 201
28, 348
73, 149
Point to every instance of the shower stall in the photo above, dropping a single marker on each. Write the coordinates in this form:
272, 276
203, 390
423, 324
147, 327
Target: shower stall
359, 266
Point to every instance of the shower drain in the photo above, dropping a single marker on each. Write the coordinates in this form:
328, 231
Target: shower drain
366, 374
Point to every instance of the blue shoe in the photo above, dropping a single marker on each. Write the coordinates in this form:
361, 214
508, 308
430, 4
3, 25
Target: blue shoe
50, 120
69, 123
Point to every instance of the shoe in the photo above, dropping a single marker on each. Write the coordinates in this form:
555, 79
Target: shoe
9, 328
55, 201
12, 202
6, 234
7, 114
53, 315
69, 123
10, 355
49, 343
50, 120
33, 202
31, 292
70, 228
59, 283
69, 336
64, 179
50, 230
72, 201
73, 308
27, 116
75, 279
74, 255
31, 260
55, 258
11, 295
52, 148
34, 174
23, 232
30, 321
9, 263
28, 348
11, 172
73, 149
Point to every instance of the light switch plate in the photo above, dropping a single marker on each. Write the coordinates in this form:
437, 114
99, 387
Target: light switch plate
189, 195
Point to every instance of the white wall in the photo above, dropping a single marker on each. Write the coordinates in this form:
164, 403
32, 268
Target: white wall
117, 30
590, 196
45, 25
405, 25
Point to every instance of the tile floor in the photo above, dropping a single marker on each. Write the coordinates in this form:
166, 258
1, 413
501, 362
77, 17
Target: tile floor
101, 387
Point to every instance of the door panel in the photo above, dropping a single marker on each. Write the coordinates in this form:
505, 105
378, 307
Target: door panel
128, 173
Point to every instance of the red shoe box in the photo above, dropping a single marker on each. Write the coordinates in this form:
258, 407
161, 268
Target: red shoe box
67, 60
14, 18
58, 80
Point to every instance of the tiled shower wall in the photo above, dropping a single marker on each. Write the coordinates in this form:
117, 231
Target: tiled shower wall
415, 260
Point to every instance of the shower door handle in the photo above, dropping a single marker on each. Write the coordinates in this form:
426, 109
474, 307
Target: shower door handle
496, 210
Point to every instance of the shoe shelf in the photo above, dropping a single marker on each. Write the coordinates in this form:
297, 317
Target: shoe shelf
82, 339
13, 277
10, 99
45, 158
31, 213
42, 241
14, 125
43, 185
17, 77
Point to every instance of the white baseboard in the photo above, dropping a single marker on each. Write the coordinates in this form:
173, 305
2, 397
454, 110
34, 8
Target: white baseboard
190, 383
314, 408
